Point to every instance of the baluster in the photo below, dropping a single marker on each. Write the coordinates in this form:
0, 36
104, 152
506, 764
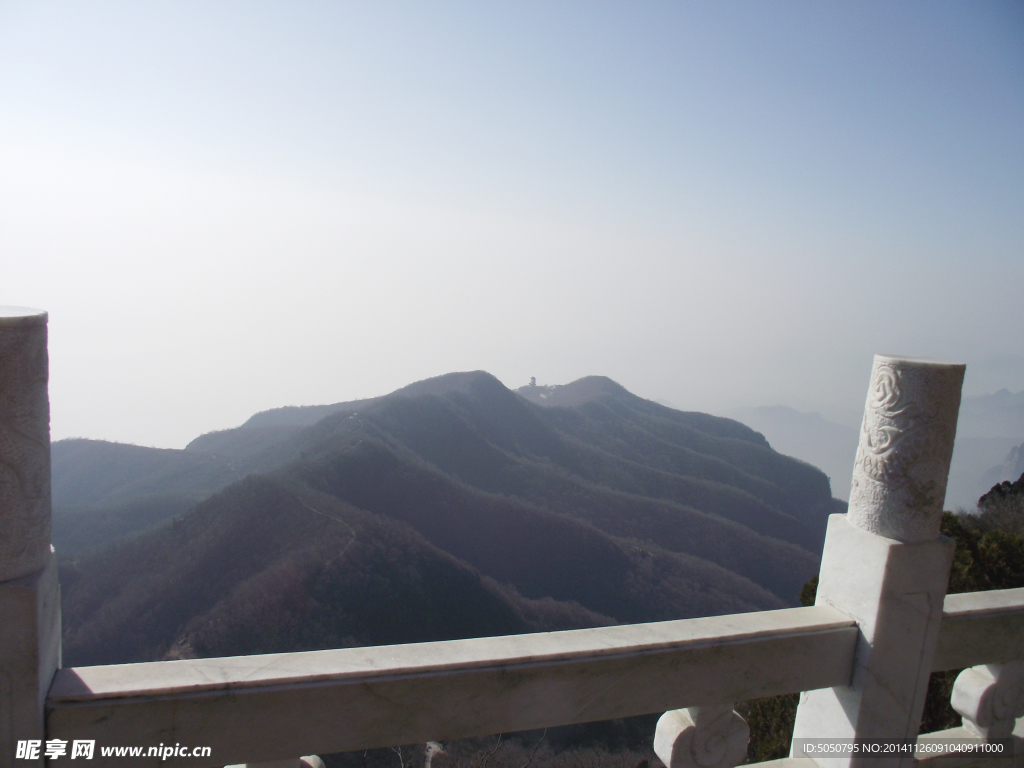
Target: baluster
990, 698
702, 737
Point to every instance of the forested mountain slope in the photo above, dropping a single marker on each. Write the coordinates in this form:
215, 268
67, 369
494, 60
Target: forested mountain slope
608, 508
267, 566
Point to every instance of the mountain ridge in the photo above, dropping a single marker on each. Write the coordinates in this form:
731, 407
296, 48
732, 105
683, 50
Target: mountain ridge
612, 509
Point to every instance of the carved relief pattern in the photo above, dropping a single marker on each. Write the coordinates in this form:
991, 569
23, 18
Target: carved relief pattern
990, 698
702, 737
906, 443
24, 448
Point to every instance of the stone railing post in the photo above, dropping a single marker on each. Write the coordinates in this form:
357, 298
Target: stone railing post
29, 592
885, 564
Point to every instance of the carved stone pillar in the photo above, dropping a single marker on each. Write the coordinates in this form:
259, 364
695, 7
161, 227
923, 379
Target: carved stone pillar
906, 444
29, 592
990, 698
884, 563
701, 737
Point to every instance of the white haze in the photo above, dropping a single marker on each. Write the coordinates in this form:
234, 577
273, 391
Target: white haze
231, 207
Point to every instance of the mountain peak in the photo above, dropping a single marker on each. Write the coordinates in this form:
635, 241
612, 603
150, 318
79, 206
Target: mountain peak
466, 382
575, 393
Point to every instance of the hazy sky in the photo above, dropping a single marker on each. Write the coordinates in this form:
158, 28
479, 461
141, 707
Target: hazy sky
227, 207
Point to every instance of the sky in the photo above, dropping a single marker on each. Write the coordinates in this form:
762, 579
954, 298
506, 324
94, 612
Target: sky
232, 206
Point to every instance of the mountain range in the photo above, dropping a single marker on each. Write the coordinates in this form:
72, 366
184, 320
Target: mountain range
990, 434
453, 507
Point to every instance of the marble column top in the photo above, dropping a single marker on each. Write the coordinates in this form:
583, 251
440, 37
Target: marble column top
14, 317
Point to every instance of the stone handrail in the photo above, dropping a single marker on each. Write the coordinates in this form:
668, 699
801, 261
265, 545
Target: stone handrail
861, 655
276, 705
980, 628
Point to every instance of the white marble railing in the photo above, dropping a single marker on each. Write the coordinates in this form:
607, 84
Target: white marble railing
341, 700
278, 705
861, 655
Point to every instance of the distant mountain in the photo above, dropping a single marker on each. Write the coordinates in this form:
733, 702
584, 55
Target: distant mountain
1010, 469
989, 427
598, 506
300, 415
809, 437
1000, 414
977, 465
103, 491
97, 473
